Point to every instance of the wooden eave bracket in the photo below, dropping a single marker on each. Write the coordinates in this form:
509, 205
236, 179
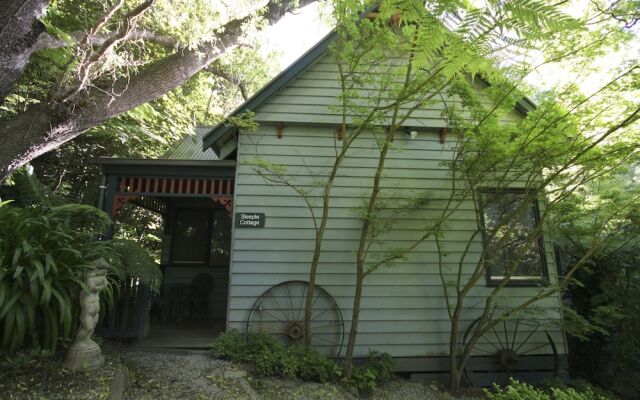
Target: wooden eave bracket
340, 132
443, 135
280, 129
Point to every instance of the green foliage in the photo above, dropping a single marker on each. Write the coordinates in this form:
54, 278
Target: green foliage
378, 368
141, 226
605, 294
579, 327
516, 391
609, 298
271, 358
138, 263
274, 359
26, 189
44, 253
522, 391
245, 121
231, 346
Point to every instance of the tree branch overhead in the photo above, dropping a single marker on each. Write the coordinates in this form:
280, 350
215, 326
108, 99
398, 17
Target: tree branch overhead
45, 126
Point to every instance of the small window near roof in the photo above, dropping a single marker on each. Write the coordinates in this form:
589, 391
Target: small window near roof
515, 256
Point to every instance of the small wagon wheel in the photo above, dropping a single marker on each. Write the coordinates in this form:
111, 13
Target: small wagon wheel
279, 311
507, 343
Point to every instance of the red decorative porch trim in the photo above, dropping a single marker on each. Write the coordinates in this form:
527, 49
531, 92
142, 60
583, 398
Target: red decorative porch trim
120, 201
148, 186
226, 202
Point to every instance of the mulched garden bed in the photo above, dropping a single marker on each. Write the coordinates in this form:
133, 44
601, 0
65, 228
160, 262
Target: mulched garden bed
45, 378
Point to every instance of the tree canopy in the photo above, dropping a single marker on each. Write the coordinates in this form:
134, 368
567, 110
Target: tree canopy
71, 66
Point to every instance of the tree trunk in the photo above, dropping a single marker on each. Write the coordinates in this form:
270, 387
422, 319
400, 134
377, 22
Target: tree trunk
317, 251
19, 31
326, 197
43, 127
455, 369
355, 318
362, 248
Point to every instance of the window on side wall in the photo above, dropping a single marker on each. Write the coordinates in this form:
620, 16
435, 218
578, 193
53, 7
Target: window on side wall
520, 255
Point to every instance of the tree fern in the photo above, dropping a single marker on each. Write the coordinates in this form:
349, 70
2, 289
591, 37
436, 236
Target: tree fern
138, 263
533, 17
26, 190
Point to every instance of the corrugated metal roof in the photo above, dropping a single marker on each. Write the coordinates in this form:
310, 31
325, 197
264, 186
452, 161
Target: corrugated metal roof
190, 147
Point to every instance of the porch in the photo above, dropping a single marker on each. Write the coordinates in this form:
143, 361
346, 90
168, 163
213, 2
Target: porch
194, 200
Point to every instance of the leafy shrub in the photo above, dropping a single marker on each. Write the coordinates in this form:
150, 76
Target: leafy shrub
231, 346
44, 253
271, 358
25, 189
516, 391
609, 297
314, 366
522, 391
378, 368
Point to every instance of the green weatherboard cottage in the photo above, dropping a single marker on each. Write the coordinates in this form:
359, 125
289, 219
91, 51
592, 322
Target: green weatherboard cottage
238, 247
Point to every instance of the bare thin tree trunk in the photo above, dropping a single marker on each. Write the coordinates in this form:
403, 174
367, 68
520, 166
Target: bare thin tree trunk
308, 307
455, 368
362, 249
355, 318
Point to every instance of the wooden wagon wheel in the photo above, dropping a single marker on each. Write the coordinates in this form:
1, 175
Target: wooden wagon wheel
507, 343
279, 311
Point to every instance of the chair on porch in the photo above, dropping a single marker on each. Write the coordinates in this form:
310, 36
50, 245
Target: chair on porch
201, 287
178, 302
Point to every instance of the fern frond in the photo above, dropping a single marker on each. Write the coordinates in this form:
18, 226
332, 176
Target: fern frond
535, 17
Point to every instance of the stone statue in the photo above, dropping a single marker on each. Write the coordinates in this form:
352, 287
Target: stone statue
85, 353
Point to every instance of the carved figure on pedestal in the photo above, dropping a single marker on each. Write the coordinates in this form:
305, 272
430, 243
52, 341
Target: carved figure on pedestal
85, 353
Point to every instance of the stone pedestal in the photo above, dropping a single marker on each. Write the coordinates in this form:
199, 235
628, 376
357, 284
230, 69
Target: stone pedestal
84, 357
85, 354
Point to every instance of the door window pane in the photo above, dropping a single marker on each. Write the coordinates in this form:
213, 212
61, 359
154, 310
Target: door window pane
220, 239
191, 236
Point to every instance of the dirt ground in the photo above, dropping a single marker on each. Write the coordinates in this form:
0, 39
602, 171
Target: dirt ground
45, 379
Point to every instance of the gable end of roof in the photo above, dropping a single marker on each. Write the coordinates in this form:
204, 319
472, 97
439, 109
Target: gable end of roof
222, 133
223, 130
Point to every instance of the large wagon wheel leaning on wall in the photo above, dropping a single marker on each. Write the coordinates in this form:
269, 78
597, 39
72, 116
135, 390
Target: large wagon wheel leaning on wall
279, 311
505, 345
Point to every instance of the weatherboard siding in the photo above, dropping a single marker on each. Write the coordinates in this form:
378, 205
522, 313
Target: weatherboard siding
311, 98
403, 307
